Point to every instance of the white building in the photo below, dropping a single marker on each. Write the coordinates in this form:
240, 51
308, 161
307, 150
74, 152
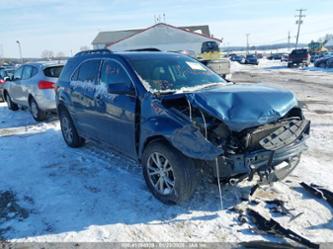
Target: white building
161, 36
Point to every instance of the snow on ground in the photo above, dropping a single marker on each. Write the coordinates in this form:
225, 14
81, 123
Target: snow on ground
92, 194
267, 66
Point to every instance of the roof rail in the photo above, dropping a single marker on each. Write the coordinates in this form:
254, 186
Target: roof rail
94, 51
144, 50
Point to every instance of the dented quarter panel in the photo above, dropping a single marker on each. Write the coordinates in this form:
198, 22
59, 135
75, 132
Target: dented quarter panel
244, 106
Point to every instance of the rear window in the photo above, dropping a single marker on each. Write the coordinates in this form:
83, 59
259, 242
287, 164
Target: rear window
300, 51
53, 72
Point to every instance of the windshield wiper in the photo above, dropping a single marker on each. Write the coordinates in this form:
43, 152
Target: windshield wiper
210, 85
165, 92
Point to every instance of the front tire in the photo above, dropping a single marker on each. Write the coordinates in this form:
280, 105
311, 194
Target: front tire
169, 175
11, 105
35, 111
69, 131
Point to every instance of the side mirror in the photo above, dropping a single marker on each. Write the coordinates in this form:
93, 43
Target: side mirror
121, 88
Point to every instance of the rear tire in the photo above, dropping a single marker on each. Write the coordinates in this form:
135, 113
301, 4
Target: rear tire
179, 177
35, 111
11, 105
69, 131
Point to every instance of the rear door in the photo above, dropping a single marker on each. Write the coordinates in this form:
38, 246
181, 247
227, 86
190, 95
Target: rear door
116, 112
15, 84
25, 85
83, 88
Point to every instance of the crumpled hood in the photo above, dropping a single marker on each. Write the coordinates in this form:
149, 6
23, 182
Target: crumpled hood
242, 106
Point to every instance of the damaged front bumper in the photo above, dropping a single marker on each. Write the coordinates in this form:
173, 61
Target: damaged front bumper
280, 155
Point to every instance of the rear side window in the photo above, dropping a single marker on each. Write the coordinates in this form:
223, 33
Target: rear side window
88, 71
2, 73
53, 72
27, 70
18, 73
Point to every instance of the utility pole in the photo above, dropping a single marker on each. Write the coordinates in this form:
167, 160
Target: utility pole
289, 37
247, 43
299, 22
20, 50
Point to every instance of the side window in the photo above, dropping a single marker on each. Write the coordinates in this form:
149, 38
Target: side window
75, 75
18, 73
34, 71
88, 71
2, 73
113, 73
27, 70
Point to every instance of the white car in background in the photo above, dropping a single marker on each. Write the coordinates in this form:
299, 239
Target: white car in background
33, 86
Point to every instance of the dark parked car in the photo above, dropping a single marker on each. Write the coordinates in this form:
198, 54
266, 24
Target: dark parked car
238, 58
6, 73
251, 59
275, 57
324, 62
178, 118
299, 57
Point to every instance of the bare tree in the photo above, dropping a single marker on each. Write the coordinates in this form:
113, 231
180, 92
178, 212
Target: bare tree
47, 54
60, 54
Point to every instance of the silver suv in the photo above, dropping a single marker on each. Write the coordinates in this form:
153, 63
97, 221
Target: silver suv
33, 86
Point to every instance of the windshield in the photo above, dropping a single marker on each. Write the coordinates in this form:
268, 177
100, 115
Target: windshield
171, 73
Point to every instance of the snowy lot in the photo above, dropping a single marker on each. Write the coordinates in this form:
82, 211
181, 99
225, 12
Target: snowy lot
90, 194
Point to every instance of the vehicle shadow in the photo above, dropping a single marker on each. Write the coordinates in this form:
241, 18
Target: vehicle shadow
70, 190
21, 117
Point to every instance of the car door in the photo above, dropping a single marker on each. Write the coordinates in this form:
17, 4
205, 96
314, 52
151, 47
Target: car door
116, 111
15, 84
22, 88
82, 90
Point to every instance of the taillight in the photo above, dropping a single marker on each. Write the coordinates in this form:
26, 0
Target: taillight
43, 84
2, 81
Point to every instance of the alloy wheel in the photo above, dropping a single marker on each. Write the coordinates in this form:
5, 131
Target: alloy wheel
34, 109
67, 129
160, 173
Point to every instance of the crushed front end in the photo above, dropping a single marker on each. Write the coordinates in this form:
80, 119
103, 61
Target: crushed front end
253, 130
271, 151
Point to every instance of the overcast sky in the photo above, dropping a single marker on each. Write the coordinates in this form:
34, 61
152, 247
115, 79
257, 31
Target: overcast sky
66, 25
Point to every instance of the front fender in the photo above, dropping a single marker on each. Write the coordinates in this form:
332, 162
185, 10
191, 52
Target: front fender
180, 134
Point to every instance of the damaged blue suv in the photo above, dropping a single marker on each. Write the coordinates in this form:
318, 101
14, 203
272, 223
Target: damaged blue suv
178, 118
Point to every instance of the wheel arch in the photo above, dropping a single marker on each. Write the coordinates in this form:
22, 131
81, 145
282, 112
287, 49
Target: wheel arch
153, 139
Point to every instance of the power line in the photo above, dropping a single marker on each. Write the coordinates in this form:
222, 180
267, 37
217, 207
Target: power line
299, 22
